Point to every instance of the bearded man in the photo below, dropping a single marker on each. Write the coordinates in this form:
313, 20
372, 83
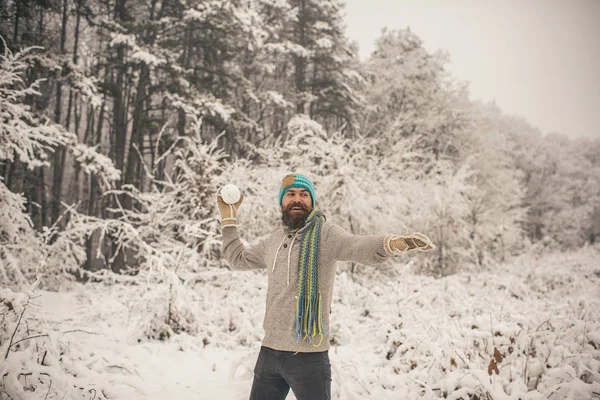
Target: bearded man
300, 257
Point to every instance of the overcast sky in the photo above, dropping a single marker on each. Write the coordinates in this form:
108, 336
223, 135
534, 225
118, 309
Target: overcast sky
535, 58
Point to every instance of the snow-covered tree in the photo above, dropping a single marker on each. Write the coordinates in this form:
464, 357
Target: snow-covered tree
410, 93
560, 181
497, 214
29, 139
572, 190
314, 70
326, 83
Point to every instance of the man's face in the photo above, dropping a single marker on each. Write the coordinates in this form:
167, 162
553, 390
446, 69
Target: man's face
296, 205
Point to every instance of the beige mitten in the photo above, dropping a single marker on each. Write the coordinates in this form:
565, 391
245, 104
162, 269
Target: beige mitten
228, 211
395, 245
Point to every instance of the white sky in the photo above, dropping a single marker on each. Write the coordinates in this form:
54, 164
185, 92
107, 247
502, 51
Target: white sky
536, 58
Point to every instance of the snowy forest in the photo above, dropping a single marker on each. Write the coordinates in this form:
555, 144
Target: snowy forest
120, 119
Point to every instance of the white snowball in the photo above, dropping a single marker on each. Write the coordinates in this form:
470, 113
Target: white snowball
230, 194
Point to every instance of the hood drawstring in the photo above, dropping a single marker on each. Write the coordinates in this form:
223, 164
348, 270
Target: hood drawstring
277, 253
289, 257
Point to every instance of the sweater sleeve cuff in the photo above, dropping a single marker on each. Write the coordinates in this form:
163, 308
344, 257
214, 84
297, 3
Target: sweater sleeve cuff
387, 246
229, 232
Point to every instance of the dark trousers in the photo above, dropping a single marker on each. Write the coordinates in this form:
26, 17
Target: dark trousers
307, 374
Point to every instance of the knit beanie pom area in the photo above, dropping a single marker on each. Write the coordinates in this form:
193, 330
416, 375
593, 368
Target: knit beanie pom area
297, 181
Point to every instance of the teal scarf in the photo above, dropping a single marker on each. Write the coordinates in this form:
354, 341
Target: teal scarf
309, 322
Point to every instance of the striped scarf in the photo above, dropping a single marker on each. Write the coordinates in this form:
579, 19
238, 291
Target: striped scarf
309, 322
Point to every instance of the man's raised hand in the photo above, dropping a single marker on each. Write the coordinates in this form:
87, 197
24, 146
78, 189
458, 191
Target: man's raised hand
228, 212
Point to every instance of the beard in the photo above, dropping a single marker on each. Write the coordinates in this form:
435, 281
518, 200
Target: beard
294, 221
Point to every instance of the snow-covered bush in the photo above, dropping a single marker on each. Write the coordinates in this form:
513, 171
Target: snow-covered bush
40, 361
163, 310
523, 331
20, 247
18, 349
217, 307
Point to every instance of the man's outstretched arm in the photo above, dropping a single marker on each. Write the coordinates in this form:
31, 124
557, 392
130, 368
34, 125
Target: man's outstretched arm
374, 249
236, 254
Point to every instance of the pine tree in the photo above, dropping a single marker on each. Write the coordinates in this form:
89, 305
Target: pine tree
411, 95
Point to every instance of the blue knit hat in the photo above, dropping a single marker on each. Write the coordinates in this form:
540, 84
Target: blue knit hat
297, 181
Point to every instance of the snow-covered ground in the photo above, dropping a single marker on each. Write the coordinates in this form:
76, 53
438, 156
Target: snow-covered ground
533, 324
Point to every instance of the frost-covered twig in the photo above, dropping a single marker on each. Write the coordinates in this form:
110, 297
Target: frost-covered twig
457, 353
504, 298
361, 385
423, 385
15, 330
148, 174
584, 335
80, 330
49, 388
169, 310
157, 145
27, 338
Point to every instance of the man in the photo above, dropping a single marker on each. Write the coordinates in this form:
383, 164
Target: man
300, 258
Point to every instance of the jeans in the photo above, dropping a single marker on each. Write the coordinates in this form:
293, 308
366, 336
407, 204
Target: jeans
307, 374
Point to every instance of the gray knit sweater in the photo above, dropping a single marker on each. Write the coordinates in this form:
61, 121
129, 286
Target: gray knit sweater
278, 253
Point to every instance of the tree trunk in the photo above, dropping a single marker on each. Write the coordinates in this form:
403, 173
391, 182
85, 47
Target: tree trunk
40, 35
33, 203
17, 20
37, 198
92, 208
16, 174
93, 184
88, 127
300, 62
57, 180
75, 192
60, 154
119, 116
119, 126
